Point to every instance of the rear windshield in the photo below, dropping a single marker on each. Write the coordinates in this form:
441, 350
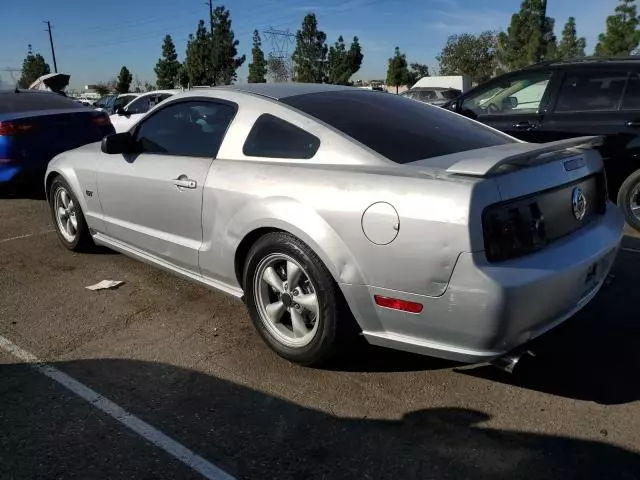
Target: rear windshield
11, 102
398, 128
451, 94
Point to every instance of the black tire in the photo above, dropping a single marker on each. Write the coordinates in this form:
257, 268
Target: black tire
82, 240
324, 343
629, 192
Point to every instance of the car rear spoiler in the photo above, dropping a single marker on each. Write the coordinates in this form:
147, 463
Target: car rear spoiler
502, 158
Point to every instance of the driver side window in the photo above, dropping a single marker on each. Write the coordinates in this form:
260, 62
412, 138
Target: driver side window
190, 128
517, 95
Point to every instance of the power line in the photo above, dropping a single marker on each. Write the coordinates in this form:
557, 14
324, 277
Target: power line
53, 52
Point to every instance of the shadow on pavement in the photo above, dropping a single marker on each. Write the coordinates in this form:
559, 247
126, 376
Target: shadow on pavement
251, 434
593, 356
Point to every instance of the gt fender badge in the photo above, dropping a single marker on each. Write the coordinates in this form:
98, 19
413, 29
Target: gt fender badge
89, 193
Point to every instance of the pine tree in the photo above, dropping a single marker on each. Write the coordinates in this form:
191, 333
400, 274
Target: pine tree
124, 80
258, 65
167, 67
225, 49
33, 67
310, 55
342, 64
622, 36
529, 37
570, 45
397, 72
198, 58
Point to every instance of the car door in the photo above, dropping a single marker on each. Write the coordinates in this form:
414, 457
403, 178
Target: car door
514, 104
600, 101
152, 200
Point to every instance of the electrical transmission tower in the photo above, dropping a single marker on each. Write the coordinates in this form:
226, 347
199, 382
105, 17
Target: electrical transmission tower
280, 55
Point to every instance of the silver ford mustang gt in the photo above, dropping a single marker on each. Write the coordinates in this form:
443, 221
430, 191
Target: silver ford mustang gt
320, 205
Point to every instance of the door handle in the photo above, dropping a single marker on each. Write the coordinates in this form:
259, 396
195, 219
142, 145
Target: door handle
633, 124
524, 125
185, 182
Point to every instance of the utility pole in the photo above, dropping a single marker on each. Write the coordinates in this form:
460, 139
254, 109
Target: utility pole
213, 47
53, 52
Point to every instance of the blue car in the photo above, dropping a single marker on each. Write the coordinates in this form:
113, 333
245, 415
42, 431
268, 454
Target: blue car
35, 126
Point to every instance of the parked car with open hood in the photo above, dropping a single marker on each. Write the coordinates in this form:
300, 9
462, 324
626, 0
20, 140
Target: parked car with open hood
320, 204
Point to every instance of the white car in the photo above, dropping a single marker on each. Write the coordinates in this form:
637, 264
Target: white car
124, 118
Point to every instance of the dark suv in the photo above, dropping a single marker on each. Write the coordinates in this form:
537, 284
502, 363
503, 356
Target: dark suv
571, 98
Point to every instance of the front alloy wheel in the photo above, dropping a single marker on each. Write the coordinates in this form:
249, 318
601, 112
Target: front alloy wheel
67, 216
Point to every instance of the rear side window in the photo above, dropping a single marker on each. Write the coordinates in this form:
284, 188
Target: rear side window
398, 128
275, 138
631, 100
11, 102
591, 91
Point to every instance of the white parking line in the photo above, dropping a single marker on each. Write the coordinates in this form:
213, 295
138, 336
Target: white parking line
25, 236
155, 436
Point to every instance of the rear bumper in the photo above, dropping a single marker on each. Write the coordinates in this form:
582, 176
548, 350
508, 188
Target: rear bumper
490, 309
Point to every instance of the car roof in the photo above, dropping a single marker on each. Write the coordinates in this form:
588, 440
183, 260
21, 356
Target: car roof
586, 61
279, 91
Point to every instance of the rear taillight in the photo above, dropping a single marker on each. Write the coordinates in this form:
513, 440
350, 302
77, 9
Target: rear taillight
8, 129
101, 120
513, 230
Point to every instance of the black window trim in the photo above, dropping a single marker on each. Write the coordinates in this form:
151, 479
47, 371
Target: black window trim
578, 70
134, 132
267, 114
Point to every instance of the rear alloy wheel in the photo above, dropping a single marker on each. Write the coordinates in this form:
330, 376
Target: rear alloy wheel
292, 299
629, 199
67, 216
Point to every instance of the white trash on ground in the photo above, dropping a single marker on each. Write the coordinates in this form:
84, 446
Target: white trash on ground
105, 284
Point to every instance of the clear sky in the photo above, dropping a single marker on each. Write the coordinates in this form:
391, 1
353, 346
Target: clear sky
94, 39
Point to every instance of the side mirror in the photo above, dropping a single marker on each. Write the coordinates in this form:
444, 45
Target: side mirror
118, 143
120, 111
511, 102
453, 106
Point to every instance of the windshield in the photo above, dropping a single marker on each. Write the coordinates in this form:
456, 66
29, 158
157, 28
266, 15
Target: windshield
398, 128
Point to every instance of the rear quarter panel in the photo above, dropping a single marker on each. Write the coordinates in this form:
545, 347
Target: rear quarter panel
323, 206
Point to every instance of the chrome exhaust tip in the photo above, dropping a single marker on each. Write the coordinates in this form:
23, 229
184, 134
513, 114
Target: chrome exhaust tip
510, 360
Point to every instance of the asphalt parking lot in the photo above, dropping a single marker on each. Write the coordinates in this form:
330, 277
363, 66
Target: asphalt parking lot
183, 385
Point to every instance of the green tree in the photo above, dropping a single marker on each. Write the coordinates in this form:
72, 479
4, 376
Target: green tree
124, 80
622, 36
397, 72
528, 39
198, 58
258, 65
168, 65
225, 48
310, 55
342, 64
33, 67
416, 72
570, 45
470, 55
